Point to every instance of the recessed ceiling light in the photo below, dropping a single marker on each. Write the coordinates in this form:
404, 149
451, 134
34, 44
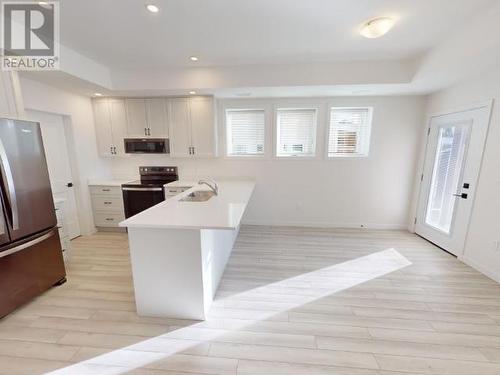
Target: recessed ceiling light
193, 58
152, 8
97, 94
192, 92
377, 27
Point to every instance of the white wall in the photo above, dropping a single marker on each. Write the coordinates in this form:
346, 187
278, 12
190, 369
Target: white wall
78, 117
374, 192
480, 248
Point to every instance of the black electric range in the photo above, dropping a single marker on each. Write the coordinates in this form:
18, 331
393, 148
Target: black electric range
148, 191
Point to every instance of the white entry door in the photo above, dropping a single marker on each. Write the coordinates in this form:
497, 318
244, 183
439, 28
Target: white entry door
56, 152
453, 159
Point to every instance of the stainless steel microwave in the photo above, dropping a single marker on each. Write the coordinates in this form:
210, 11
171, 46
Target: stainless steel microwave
147, 146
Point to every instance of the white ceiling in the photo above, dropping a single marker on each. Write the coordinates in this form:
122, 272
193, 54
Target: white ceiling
272, 47
122, 34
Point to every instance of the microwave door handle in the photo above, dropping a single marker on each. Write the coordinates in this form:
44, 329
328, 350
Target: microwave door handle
11, 189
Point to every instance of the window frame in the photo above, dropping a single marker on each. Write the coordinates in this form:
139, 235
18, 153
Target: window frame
224, 132
277, 108
328, 131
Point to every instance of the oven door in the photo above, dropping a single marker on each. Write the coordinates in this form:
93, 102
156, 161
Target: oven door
138, 199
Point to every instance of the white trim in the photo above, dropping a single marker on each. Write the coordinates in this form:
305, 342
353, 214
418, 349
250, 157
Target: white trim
224, 106
488, 104
490, 272
330, 106
295, 106
322, 224
463, 108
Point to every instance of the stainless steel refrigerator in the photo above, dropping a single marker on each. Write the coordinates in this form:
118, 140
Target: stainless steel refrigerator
30, 251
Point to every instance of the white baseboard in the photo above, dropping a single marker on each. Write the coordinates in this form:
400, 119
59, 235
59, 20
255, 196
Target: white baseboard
492, 274
321, 224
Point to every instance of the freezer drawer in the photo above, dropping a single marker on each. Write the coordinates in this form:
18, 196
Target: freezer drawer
29, 269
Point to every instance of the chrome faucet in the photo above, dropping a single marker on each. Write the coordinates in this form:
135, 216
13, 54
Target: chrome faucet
211, 184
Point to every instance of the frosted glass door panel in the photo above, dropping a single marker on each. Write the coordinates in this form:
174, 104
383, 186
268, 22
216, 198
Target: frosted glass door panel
447, 176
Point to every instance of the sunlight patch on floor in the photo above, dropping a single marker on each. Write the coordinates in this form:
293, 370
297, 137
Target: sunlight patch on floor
321, 283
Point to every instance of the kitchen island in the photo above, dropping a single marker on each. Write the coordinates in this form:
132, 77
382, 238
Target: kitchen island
179, 249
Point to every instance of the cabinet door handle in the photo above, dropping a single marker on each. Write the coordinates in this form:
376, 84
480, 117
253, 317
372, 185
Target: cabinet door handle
111, 150
114, 149
193, 150
145, 131
149, 131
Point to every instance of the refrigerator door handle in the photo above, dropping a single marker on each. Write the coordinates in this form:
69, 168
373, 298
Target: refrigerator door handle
3, 230
10, 187
26, 245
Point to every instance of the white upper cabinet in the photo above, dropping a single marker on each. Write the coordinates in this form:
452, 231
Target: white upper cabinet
103, 130
157, 117
202, 126
180, 128
192, 127
118, 125
110, 121
137, 125
147, 117
189, 123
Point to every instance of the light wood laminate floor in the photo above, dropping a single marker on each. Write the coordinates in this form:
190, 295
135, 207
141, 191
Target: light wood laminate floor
292, 301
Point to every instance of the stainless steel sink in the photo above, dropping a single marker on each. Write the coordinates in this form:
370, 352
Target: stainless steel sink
198, 196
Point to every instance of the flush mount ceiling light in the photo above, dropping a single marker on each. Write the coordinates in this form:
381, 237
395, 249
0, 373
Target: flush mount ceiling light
193, 58
97, 94
192, 92
152, 8
377, 27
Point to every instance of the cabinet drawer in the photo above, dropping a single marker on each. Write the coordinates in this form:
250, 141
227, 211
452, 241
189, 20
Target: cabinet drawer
106, 190
103, 219
107, 203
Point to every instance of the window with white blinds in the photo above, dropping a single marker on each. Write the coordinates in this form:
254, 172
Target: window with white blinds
245, 132
295, 132
349, 134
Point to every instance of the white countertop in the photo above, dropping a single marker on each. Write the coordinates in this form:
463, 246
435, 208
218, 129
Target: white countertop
105, 182
223, 211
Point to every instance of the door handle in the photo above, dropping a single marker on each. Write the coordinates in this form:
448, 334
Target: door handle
69, 184
10, 187
26, 245
462, 195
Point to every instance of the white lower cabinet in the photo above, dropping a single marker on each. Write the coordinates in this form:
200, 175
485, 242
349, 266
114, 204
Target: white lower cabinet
107, 206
